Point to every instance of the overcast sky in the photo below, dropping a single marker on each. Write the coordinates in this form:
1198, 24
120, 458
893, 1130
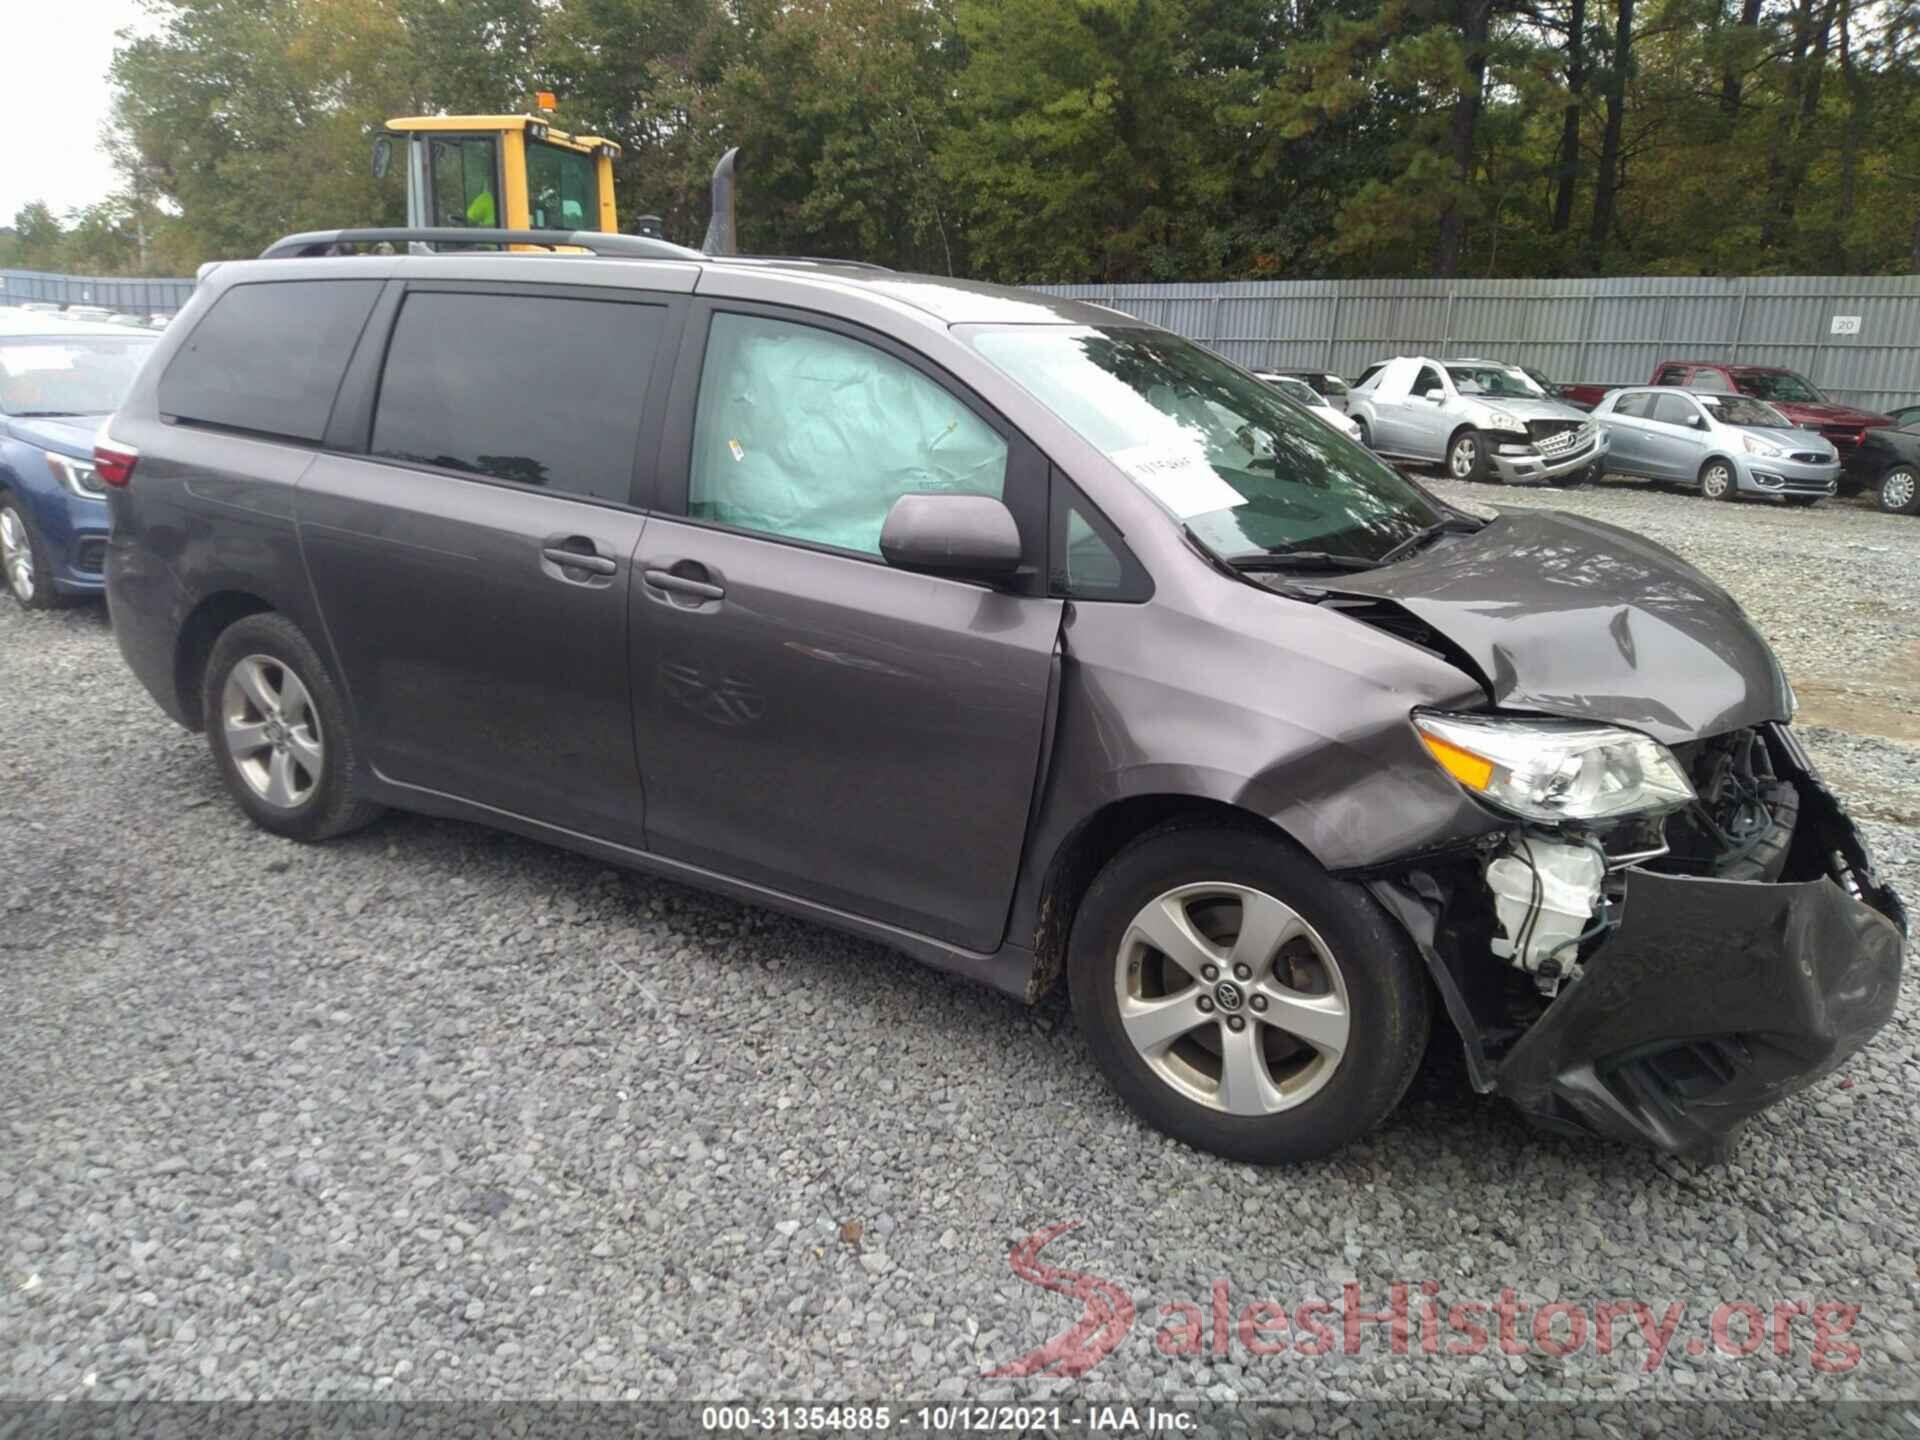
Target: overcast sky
55, 100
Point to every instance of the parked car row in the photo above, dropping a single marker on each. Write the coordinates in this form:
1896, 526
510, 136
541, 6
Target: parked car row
1723, 430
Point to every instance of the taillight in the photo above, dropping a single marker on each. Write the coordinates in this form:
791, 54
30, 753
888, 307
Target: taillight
114, 463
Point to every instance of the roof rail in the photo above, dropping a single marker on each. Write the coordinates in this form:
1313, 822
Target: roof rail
599, 242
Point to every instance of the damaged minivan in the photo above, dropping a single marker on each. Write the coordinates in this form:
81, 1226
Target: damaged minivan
1010, 632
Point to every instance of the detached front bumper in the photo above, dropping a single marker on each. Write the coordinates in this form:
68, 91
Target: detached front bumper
1534, 468
1716, 998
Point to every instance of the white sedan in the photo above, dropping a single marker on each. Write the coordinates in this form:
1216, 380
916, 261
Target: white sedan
1307, 398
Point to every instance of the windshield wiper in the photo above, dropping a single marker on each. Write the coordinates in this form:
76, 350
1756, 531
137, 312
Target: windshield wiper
1421, 539
1301, 560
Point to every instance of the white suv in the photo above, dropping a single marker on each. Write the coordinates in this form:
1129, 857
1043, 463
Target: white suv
1483, 420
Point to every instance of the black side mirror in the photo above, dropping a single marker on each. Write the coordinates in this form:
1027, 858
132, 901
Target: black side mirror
967, 536
382, 156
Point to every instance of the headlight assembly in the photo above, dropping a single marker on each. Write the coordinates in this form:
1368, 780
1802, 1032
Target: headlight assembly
1766, 449
1501, 420
77, 476
1555, 770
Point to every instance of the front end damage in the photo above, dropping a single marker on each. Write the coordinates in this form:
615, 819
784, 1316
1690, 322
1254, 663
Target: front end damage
1663, 980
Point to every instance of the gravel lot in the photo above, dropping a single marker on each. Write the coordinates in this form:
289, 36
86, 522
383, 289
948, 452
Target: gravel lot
436, 1112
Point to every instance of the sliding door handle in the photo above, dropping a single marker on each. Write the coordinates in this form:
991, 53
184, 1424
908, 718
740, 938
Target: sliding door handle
579, 560
683, 584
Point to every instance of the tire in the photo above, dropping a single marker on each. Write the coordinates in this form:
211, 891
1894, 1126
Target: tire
294, 774
1366, 435
1803, 502
1467, 455
1898, 492
1717, 481
1574, 479
1294, 1100
27, 577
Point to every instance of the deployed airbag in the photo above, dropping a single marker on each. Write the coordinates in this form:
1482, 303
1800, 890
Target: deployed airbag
813, 435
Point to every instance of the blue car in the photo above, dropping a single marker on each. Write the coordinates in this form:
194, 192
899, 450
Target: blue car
58, 379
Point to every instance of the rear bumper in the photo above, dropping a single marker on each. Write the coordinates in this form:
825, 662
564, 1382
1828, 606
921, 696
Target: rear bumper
1715, 999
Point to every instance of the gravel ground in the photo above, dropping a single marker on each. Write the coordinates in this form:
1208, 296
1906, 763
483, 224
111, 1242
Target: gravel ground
436, 1112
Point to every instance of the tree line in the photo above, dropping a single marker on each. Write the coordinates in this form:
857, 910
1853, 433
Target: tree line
1067, 140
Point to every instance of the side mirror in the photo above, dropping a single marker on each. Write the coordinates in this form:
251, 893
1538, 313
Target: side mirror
382, 156
1435, 397
1696, 422
967, 536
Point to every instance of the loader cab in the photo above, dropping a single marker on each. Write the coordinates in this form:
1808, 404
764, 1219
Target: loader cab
513, 172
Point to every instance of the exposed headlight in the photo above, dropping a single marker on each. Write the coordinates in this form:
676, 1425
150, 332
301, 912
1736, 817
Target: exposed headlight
1501, 420
1555, 770
1766, 449
77, 475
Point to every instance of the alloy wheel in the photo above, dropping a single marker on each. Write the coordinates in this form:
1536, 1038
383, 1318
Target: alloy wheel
272, 731
1716, 482
1464, 458
1232, 998
1897, 491
16, 554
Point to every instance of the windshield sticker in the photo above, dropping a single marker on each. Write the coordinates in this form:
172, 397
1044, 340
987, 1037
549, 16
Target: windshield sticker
1181, 480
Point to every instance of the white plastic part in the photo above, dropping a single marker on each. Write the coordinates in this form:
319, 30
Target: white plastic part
1544, 895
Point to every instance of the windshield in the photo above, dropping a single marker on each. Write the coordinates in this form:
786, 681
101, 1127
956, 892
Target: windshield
1250, 474
1493, 380
1744, 410
68, 374
1780, 385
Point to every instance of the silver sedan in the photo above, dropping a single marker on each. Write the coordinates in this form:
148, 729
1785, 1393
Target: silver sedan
1721, 445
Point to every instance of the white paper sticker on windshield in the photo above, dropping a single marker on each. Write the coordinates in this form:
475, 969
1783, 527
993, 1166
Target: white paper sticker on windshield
1179, 479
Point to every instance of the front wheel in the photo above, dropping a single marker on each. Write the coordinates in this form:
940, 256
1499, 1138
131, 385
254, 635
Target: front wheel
1467, 456
27, 577
1899, 491
1716, 480
278, 728
1365, 436
1242, 1000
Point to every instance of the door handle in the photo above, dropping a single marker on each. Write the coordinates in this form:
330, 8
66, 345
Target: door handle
577, 552
683, 584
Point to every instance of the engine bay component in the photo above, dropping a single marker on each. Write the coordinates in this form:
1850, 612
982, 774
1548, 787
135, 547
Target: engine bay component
1546, 899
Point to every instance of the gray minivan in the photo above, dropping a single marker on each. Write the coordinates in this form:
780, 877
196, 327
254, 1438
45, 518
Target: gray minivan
1014, 633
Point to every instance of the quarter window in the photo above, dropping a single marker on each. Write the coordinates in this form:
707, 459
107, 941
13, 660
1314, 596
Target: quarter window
268, 357
538, 390
810, 435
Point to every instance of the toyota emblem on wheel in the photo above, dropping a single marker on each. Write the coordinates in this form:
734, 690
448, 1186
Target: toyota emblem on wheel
1227, 995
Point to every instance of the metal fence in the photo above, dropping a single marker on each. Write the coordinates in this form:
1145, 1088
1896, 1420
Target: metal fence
134, 297
1857, 338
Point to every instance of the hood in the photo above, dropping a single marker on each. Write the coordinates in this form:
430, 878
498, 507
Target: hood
1789, 439
65, 435
1829, 414
1566, 616
1529, 409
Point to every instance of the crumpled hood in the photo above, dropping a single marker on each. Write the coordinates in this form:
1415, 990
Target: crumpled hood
1568, 616
1528, 409
64, 436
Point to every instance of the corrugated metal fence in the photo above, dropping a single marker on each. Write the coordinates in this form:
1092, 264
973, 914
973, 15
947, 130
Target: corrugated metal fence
135, 297
1856, 337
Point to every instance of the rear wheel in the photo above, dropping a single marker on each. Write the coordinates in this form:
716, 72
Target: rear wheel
1366, 435
279, 732
1467, 456
1242, 1000
1899, 491
28, 577
1716, 480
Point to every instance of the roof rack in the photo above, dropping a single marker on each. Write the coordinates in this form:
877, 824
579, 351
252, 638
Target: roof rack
599, 242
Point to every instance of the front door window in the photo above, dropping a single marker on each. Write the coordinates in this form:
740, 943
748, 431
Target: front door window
463, 170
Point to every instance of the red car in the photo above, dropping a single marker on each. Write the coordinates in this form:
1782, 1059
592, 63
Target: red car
1792, 395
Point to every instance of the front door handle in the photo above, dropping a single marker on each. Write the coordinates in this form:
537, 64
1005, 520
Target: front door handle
578, 560
683, 584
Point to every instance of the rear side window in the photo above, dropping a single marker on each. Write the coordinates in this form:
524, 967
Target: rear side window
1635, 405
1671, 375
268, 357
539, 390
